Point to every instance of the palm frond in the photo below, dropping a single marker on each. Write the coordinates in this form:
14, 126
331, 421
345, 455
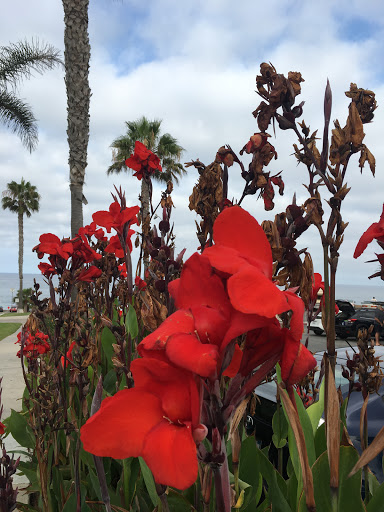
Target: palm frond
18, 116
21, 59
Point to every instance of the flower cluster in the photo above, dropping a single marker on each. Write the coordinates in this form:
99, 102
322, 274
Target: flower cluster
32, 345
374, 232
143, 161
221, 294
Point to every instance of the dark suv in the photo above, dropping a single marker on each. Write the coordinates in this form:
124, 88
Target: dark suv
361, 319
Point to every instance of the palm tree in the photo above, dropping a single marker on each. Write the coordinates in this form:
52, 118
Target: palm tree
148, 132
18, 61
165, 146
77, 55
23, 199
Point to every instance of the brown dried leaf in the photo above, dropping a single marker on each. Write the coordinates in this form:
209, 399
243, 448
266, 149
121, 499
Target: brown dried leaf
353, 130
333, 427
365, 156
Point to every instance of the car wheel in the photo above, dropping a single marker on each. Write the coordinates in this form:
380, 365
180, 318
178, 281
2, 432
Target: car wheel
318, 331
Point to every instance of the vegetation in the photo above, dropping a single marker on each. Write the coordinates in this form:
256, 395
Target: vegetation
165, 146
180, 354
18, 61
23, 199
8, 329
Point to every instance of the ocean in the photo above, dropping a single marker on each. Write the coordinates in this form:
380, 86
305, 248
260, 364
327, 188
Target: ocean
9, 282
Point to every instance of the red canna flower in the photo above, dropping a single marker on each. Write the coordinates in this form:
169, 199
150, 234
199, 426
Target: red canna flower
114, 245
375, 230
2, 428
34, 344
47, 269
51, 244
140, 283
242, 252
116, 217
89, 274
317, 285
91, 230
196, 336
143, 161
159, 420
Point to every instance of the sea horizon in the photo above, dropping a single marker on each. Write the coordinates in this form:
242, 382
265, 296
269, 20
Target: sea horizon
10, 281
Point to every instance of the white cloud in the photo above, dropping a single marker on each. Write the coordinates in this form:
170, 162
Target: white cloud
192, 64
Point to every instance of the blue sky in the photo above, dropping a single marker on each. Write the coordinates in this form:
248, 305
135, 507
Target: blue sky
193, 64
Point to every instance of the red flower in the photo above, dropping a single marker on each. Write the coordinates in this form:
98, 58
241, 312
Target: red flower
243, 253
317, 285
91, 230
197, 335
51, 244
46, 269
114, 245
143, 161
34, 344
375, 230
88, 275
116, 218
2, 428
158, 420
140, 283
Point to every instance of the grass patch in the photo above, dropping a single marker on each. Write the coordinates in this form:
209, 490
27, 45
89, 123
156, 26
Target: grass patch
15, 314
8, 329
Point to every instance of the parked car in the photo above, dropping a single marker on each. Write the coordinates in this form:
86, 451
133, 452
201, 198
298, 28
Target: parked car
261, 421
13, 309
361, 319
345, 311
1, 309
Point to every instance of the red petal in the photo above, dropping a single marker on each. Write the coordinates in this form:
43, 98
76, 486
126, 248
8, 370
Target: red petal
251, 292
234, 366
186, 351
170, 384
241, 323
119, 428
225, 259
199, 286
297, 306
210, 324
236, 228
262, 345
170, 453
296, 361
374, 231
179, 322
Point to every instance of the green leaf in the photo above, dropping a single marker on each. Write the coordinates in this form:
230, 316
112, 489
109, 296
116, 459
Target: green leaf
315, 411
107, 339
376, 503
249, 472
131, 322
349, 495
277, 488
18, 426
178, 503
280, 428
149, 483
109, 383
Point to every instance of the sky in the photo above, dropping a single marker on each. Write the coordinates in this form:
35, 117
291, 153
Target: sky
193, 64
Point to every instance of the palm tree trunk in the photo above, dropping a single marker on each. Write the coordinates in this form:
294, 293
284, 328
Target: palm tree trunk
77, 54
21, 257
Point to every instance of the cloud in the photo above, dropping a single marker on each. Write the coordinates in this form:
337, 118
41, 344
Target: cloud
194, 65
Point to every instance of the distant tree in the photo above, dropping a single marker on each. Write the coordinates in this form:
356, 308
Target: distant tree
25, 302
18, 61
23, 199
165, 146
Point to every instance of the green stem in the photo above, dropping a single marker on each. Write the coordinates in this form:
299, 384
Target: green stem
126, 478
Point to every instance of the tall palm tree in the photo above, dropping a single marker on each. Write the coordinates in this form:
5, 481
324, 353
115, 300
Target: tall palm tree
164, 145
19, 61
77, 55
23, 199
